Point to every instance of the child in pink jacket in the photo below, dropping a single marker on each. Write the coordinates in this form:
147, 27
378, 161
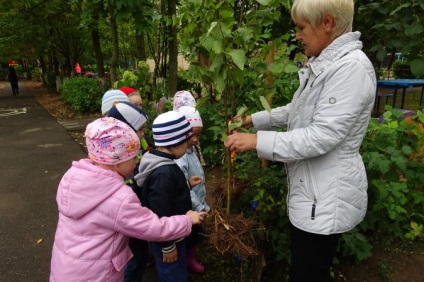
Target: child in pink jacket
98, 212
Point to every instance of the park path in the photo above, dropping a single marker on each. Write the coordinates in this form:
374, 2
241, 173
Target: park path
35, 152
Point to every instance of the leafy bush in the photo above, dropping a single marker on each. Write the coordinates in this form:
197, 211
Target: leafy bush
393, 153
402, 69
128, 79
83, 94
3, 74
36, 74
50, 77
139, 79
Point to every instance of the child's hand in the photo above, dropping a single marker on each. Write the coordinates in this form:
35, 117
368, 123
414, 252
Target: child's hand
196, 217
195, 180
170, 257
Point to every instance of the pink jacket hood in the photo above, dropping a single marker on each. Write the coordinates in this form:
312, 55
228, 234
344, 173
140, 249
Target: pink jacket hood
77, 196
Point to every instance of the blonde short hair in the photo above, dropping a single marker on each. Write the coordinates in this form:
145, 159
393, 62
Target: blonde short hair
313, 12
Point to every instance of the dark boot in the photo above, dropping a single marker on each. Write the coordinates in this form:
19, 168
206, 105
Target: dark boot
192, 264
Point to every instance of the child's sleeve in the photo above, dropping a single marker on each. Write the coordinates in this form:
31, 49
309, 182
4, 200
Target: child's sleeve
195, 202
139, 222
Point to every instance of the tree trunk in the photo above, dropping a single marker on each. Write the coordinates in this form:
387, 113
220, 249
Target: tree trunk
95, 38
43, 69
115, 45
173, 51
141, 49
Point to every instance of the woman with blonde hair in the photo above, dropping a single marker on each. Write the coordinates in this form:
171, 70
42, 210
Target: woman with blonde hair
326, 122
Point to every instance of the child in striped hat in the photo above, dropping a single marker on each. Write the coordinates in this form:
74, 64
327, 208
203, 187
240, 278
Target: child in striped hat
165, 190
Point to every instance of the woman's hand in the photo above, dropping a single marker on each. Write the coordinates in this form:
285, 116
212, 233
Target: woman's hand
196, 217
241, 142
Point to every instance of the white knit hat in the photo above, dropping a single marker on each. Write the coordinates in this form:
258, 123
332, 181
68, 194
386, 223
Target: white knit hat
185, 104
171, 129
192, 116
129, 113
110, 97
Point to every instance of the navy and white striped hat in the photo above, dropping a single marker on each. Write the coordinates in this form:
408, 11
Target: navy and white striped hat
171, 129
130, 114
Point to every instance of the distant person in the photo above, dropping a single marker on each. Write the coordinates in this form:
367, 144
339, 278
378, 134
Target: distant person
13, 79
78, 69
98, 212
110, 98
165, 190
133, 95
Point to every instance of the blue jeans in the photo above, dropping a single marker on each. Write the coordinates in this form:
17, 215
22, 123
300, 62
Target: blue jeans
135, 267
170, 272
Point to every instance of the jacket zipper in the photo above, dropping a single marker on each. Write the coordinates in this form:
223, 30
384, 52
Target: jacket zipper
313, 209
312, 190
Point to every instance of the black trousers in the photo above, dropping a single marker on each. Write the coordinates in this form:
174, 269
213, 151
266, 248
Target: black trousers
311, 255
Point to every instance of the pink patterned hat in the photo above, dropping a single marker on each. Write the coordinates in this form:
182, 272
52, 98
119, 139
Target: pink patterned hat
183, 99
110, 141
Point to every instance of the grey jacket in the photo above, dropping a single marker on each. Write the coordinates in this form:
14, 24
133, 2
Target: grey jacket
326, 122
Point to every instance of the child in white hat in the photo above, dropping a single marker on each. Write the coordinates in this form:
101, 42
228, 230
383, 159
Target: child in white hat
165, 189
110, 98
98, 212
191, 165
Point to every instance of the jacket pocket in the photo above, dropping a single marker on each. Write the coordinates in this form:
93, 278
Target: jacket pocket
120, 260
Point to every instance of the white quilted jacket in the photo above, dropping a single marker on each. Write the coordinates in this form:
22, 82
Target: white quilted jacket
326, 122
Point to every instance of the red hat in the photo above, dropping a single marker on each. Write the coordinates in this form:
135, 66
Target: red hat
127, 90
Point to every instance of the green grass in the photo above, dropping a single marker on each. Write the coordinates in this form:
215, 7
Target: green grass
412, 99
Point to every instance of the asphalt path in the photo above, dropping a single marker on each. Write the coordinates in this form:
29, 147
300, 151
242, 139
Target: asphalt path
35, 152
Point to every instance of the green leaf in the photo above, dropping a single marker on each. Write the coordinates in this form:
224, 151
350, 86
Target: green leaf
276, 68
227, 14
291, 69
264, 2
217, 62
265, 104
220, 77
207, 42
399, 8
213, 25
234, 125
238, 57
217, 46
395, 42
241, 111
413, 29
417, 67
396, 26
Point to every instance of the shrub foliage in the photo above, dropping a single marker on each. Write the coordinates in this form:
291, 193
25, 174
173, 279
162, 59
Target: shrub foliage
83, 94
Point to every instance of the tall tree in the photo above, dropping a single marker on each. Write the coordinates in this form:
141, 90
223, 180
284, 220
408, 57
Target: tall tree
173, 49
115, 44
